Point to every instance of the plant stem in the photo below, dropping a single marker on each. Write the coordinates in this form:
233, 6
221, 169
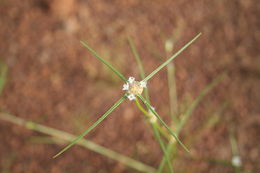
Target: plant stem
162, 122
189, 112
155, 128
172, 92
148, 116
58, 134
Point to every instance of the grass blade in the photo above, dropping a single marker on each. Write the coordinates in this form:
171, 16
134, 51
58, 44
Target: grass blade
91, 127
166, 155
189, 112
140, 66
171, 58
104, 61
196, 102
137, 58
154, 126
172, 92
156, 130
58, 135
162, 122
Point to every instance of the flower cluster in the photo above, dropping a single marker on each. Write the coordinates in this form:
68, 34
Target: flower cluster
133, 87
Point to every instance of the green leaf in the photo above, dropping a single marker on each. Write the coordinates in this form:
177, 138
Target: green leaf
172, 92
162, 122
92, 127
156, 133
189, 112
137, 58
154, 126
104, 61
198, 99
171, 58
59, 136
166, 155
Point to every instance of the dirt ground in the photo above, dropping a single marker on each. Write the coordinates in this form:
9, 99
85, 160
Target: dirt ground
54, 81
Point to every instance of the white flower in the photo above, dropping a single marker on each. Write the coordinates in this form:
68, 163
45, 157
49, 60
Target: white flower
131, 97
133, 87
143, 84
131, 79
126, 86
236, 161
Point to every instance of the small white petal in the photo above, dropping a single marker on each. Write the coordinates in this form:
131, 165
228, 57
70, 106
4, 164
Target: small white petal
126, 86
143, 84
131, 79
131, 97
236, 161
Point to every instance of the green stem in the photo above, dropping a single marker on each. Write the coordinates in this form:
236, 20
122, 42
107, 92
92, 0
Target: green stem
172, 92
148, 116
58, 134
155, 128
189, 112
162, 122
140, 66
166, 155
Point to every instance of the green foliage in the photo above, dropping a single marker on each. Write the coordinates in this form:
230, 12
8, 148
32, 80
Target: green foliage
146, 102
159, 127
171, 58
58, 137
103, 60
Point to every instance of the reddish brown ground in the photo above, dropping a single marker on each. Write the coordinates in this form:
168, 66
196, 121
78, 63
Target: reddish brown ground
53, 80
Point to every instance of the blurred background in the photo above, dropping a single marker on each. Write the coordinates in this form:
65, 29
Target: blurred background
49, 78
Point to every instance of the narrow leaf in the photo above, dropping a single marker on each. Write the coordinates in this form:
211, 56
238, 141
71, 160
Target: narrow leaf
156, 134
61, 136
189, 112
140, 66
171, 58
172, 92
166, 155
198, 99
137, 58
146, 93
104, 61
162, 122
92, 127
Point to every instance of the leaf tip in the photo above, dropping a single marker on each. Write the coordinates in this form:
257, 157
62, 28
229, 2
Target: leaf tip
55, 156
82, 42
